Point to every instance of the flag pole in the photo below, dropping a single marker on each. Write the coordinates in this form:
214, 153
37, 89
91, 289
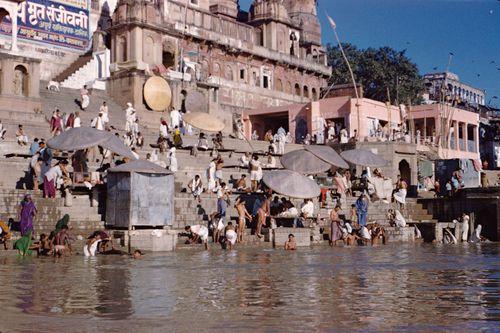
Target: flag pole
334, 28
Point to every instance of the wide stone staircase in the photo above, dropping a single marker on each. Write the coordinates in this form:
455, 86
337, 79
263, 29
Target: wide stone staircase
15, 180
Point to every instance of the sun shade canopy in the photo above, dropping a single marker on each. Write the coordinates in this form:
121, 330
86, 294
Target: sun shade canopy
305, 162
86, 137
203, 121
363, 157
328, 155
291, 183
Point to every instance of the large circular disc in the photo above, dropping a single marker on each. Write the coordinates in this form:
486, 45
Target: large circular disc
203, 121
305, 162
157, 93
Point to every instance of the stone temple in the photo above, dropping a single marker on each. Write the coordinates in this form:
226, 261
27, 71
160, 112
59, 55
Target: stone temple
268, 57
227, 59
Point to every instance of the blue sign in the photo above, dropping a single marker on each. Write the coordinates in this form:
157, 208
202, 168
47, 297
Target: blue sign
61, 23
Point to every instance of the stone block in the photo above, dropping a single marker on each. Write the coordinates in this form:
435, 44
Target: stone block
302, 236
154, 240
396, 235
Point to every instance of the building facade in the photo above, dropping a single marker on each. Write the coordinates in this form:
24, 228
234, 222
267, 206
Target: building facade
270, 56
449, 86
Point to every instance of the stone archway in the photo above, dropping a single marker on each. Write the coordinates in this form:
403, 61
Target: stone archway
405, 171
21, 80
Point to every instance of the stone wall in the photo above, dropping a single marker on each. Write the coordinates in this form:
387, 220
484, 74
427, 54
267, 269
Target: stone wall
397, 235
483, 202
280, 236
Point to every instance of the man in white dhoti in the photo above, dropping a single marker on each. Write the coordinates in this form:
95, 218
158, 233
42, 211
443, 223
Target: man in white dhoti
175, 118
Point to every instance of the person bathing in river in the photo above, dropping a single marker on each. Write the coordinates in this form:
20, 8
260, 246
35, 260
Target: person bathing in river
335, 232
198, 232
290, 244
243, 214
231, 235
61, 242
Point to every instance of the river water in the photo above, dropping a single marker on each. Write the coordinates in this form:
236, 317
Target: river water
385, 288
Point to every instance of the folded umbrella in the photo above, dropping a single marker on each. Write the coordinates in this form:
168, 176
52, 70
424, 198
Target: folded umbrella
291, 183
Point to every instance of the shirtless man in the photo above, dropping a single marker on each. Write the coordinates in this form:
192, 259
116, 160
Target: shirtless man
62, 242
231, 235
242, 214
335, 232
262, 213
378, 235
290, 244
241, 184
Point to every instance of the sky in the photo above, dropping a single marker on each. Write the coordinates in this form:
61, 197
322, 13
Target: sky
428, 29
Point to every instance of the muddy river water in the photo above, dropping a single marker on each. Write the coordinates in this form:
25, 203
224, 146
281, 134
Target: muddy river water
386, 288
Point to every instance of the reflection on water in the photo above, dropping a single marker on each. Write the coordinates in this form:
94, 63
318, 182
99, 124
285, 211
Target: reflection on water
420, 288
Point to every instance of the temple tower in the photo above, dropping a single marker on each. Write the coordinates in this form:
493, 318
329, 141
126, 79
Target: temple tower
303, 13
229, 8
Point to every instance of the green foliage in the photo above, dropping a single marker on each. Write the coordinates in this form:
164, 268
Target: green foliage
376, 70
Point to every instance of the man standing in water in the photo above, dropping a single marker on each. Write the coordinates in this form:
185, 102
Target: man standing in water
290, 244
362, 209
242, 215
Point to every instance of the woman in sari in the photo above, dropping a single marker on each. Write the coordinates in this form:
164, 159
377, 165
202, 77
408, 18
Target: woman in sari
27, 213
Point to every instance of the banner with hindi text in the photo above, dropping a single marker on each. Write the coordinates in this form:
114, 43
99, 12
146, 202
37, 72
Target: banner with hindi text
63, 23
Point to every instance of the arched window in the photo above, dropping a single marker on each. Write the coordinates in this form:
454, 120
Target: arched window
228, 73
279, 85
121, 51
20, 80
314, 95
216, 69
297, 89
148, 50
306, 92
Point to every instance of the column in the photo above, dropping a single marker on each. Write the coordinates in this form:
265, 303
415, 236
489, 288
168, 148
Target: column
475, 132
465, 136
455, 134
424, 132
14, 28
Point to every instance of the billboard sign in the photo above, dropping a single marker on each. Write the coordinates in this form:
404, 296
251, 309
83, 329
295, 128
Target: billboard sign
63, 23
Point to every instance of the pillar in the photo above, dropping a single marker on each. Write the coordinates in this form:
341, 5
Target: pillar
14, 29
476, 137
465, 135
424, 132
455, 134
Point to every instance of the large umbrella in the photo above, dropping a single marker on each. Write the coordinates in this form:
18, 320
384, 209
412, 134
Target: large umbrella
86, 137
363, 157
303, 161
292, 184
203, 121
327, 154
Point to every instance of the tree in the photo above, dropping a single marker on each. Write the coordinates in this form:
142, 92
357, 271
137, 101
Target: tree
376, 70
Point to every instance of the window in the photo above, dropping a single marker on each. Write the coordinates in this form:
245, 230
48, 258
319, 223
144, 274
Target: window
242, 74
194, 2
265, 82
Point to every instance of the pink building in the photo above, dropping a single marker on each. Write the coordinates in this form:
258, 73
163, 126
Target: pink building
300, 119
452, 132
428, 123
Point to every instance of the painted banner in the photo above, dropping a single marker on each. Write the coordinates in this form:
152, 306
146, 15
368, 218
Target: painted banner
63, 23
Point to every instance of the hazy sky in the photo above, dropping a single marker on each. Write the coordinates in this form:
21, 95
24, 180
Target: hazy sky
428, 30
